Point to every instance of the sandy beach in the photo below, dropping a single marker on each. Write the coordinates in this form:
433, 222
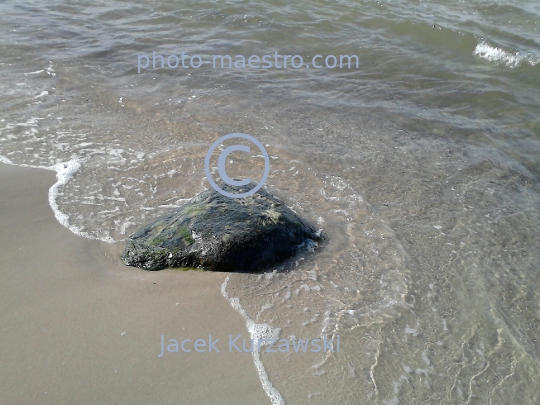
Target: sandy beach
78, 327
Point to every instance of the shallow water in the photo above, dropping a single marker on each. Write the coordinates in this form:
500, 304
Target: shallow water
421, 166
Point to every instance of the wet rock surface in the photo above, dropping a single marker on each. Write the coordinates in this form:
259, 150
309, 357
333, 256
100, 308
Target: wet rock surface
219, 233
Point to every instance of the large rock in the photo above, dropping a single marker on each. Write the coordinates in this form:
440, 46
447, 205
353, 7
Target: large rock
221, 233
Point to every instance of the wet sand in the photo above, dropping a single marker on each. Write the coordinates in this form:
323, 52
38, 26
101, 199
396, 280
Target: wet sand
78, 327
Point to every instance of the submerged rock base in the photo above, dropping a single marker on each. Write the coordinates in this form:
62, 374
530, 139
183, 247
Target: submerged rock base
220, 233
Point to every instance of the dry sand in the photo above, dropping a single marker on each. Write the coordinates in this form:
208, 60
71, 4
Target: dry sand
78, 327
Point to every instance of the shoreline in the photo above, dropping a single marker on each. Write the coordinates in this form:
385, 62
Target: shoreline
80, 327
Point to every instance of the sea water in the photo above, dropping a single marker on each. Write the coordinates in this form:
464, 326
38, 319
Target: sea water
420, 166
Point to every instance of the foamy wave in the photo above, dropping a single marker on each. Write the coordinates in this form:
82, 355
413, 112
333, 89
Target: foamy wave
5, 160
496, 54
64, 173
257, 331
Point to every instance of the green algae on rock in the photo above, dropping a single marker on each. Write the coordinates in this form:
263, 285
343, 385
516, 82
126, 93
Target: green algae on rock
220, 233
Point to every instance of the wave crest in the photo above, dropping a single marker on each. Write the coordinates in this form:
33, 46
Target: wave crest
496, 54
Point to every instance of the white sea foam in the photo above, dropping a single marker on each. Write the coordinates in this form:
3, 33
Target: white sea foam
496, 54
5, 160
64, 173
35, 73
257, 331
